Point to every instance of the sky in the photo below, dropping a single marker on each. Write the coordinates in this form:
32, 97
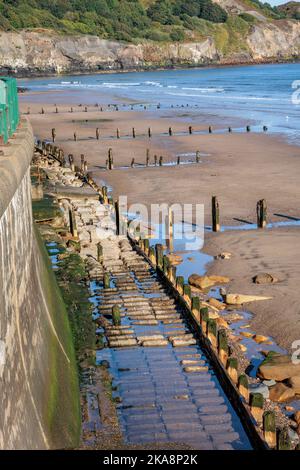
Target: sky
276, 2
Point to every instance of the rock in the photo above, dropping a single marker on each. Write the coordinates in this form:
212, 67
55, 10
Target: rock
293, 435
216, 303
278, 367
289, 408
246, 334
213, 315
260, 338
204, 282
294, 383
174, 259
239, 299
297, 417
222, 323
281, 393
269, 383
243, 348
260, 388
264, 278
224, 255
233, 316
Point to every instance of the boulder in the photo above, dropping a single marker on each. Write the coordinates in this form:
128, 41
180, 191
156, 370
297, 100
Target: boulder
278, 367
204, 282
294, 383
260, 338
264, 278
174, 259
216, 303
297, 417
239, 299
259, 388
281, 393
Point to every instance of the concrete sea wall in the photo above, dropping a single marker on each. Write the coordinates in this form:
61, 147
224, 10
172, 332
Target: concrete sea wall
38, 375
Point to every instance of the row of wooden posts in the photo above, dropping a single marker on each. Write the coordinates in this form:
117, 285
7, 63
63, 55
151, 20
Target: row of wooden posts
149, 132
85, 108
219, 343
261, 213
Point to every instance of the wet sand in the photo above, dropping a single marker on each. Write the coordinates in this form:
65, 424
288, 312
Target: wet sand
240, 168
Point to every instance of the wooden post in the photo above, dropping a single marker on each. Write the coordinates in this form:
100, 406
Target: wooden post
283, 440
155, 160
53, 132
43, 112
106, 281
110, 159
229, 129
71, 110
97, 133
210, 130
196, 308
215, 214
72, 222
203, 319
85, 166
117, 212
212, 332
56, 110
133, 133
269, 428
132, 163
160, 161
180, 284
243, 387
169, 230
104, 193
159, 255
152, 255
149, 132
147, 157
82, 162
232, 366
178, 160
146, 246
118, 133
85, 109
256, 406
248, 129
187, 294
197, 156
172, 274
116, 315
170, 131
166, 264
75, 136
99, 253
261, 211
223, 349
190, 130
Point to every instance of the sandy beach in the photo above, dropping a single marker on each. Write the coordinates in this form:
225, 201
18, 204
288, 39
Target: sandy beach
240, 168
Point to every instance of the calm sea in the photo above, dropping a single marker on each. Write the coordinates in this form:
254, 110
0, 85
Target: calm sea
260, 93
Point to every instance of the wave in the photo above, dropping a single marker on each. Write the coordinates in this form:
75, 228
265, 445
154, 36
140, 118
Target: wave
204, 90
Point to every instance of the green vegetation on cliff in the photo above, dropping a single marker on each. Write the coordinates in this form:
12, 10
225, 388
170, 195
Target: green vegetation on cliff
128, 20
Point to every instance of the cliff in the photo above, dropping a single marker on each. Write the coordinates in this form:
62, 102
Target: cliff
38, 375
46, 52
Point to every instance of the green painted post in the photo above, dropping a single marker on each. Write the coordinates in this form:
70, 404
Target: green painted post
106, 281
116, 315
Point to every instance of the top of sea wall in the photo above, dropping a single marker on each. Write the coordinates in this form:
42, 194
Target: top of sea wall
14, 162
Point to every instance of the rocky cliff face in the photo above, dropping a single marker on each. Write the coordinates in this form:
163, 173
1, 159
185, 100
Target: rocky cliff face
44, 52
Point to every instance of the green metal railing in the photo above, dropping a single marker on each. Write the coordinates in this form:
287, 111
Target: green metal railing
9, 108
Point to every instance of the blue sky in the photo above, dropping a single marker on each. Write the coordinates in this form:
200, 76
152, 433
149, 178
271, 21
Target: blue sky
276, 2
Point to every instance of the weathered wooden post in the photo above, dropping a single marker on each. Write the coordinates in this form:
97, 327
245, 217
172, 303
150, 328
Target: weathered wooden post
180, 284
269, 428
28, 110
159, 255
118, 133
116, 315
97, 133
232, 369
243, 387
56, 110
248, 129
110, 159
178, 160
215, 214
203, 319
149, 132
104, 194
133, 133
160, 161
170, 131
210, 130
147, 157
197, 156
75, 136
146, 246
85, 166
261, 210
256, 402
106, 281
223, 349
71, 110
187, 294
85, 109
196, 305
72, 223
132, 163
155, 160
152, 255
117, 212
43, 112
82, 162
169, 232
212, 331
172, 274
190, 130
265, 128
99, 253
166, 264
53, 132
283, 440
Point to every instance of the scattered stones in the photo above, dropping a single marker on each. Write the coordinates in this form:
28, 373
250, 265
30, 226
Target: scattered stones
216, 303
224, 255
281, 393
264, 278
204, 282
